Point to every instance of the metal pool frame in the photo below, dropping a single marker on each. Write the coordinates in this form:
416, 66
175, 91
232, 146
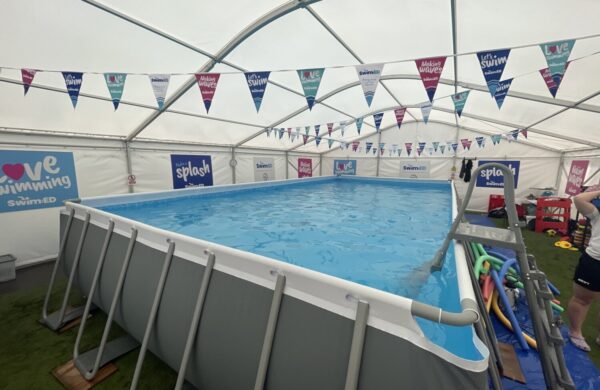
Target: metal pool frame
225, 318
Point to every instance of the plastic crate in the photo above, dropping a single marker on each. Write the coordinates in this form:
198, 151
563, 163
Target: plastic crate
495, 202
552, 213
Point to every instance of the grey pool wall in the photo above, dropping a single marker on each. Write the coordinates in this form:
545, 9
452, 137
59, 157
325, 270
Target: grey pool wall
313, 334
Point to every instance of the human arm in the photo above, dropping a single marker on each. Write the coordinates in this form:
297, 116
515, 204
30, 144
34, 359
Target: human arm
583, 201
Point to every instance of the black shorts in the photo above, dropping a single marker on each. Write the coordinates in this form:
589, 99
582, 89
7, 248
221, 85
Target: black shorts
587, 273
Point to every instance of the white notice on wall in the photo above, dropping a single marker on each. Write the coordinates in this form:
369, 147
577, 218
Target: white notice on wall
264, 168
415, 169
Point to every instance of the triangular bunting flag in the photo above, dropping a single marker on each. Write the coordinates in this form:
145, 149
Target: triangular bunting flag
552, 87
425, 111
289, 132
381, 147
115, 83
408, 146
557, 55
27, 76
343, 127
524, 132
399, 112
480, 141
374, 151
317, 129
430, 150
304, 138
442, 148
310, 80
73, 81
369, 146
207, 82
268, 129
317, 140
330, 128
400, 152
459, 100
435, 146
502, 91
515, 134
430, 70
454, 146
421, 147
359, 123
355, 145
293, 137
307, 130
377, 118
281, 133
369, 75
466, 143
496, 138
394, 148
257, 82
329, 142
492, 65
160, 84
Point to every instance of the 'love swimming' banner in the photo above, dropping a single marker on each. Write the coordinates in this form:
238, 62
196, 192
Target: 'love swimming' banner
310, 80
36, 180
557, 55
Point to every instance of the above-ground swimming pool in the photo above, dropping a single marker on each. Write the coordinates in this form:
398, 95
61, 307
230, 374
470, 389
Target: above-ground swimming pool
337, 240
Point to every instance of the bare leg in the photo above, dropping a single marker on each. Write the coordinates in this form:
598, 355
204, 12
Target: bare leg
578, 308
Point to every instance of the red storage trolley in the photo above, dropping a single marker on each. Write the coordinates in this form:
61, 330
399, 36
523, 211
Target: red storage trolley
552, 213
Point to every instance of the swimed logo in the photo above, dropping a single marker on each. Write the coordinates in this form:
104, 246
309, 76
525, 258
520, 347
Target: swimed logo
493, 177
191, 170
33, 180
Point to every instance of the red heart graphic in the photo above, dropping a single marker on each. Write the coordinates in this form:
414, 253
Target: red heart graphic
552, 49
14, 171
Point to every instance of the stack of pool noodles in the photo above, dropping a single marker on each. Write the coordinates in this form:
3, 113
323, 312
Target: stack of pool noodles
494, 271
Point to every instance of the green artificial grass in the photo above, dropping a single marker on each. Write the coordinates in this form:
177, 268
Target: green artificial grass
559, 266
29, 351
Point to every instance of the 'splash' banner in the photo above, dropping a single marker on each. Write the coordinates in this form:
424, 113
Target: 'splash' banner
415, 169
304, 167
207, 82
257, 82
36, 180
264, 168
492, 65
310, 80
115, 83
430, 70
493, 177
191, 170
576, 176
369, 75
344, 167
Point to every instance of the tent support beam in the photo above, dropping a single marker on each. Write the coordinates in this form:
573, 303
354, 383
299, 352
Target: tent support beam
561, 164
233, 165
253, 27
130, 187
455, 59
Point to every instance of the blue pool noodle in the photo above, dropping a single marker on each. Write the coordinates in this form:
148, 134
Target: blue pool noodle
510, 314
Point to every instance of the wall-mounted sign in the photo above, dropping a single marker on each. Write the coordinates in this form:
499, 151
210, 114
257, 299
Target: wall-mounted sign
344, 167
493, 177
264, 168
304, 167
576, 176
415, 169
191, 170
36, 180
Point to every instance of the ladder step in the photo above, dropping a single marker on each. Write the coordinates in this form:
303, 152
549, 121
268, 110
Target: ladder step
487, 235
53, 320
115, 348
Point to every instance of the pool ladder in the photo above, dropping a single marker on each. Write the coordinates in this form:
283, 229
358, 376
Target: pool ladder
546, 327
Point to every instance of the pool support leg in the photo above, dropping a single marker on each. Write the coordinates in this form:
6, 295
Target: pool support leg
89, 362
358, 342
152, 316
195, 319
56, 320
265, 354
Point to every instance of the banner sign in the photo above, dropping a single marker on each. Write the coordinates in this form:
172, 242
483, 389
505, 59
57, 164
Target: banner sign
73, 81
492, 65
502, 91
191, 170
435, 146
310, 80
359, 123
496, 138
377, 118
160, 84
264, 168
454, 146
430, 70
207, 82
425, 111
369, 145
330, 129
344, 167
480, 141
355, 145
36, 180
304, 167
415, 169
317, 129
330, 142
576, 176
557, 55
524, 132
466, 143
552, 87
27, 76
493, 177
399, 112
369, 75
459, 100
257, 82
421, 147
115, 83
318, 140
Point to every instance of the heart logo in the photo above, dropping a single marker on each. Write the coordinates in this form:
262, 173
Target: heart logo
14, 171
552, 49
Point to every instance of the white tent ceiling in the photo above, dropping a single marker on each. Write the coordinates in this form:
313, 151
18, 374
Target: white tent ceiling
151, 36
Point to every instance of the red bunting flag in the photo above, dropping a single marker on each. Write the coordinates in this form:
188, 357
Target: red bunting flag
329, 128
430, 70
27, 75
207, 82
400, 115
304, 138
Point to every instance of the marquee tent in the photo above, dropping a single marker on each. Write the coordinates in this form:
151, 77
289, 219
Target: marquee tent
85, 44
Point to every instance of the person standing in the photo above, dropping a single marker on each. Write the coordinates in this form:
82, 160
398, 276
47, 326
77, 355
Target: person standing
586, 281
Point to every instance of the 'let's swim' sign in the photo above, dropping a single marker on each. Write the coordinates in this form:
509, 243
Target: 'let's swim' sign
36, 180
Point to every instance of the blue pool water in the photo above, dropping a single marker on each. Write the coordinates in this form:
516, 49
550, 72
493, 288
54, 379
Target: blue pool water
377, 233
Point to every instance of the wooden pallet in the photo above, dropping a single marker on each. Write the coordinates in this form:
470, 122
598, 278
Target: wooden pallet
72, 379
